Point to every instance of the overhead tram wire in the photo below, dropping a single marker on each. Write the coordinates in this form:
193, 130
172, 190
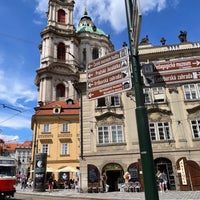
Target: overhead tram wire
5, 106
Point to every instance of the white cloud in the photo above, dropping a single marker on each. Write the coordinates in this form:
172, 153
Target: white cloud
41, 7
111, 12
18, 91
151, 5
9, 138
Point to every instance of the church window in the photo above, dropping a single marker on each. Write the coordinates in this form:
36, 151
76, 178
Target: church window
95, 53
60, 90
61, 51
61, 16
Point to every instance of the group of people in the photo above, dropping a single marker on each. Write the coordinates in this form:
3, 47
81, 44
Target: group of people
162, 180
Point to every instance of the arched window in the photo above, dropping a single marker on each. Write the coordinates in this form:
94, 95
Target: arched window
61, 16
60, 90
95, 53
61, 51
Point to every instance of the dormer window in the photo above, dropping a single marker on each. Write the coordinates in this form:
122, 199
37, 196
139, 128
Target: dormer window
57, 109
70, 101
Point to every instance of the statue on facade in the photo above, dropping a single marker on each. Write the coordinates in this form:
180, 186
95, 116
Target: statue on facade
163, 41
145, 40
183, 36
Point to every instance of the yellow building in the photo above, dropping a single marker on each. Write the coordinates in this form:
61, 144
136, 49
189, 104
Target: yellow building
56, 133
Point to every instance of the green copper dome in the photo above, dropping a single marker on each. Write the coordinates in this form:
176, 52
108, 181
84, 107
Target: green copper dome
90, 29
86, 25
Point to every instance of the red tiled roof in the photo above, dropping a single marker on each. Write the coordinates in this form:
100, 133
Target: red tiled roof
13, 146
66, 109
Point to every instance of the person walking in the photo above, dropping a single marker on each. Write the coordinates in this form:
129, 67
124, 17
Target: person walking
160, 180
104, 181
24, 183
164, 176
50, 183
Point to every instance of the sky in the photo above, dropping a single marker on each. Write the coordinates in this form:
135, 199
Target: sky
22, 21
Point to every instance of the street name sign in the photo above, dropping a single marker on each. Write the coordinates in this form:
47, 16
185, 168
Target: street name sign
109, 74
170, 72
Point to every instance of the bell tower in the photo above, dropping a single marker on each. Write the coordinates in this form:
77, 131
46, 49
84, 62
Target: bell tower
58, 50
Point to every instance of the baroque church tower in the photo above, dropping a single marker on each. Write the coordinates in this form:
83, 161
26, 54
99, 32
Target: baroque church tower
58, 68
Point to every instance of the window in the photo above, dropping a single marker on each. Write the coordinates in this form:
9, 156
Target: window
147, 98
45, 148
113, 100
195, 125
110, 134
95, 53
160, 131
61, 51
158, 95
65, 127
61, 16
60, 90
46, 128
101, 102
191, 91
154, 95
64, 149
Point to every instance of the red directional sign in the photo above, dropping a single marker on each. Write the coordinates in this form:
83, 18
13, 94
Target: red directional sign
173, 65
108, 90
169, 72
107, 73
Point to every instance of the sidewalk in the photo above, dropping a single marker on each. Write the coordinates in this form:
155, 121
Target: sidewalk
170, 195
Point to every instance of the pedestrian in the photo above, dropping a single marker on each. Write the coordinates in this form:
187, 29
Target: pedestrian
23, 183
160, 180
104, 181
127, 177
165, 181
50, 184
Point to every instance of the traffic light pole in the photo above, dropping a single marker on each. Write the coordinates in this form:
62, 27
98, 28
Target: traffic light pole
150, 186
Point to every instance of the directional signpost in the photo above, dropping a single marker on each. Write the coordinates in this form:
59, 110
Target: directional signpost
169, 72
134, 21
109, 74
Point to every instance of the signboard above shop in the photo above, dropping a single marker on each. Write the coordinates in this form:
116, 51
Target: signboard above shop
170, 72
109, 74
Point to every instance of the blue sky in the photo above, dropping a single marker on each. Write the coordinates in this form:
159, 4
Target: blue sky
22, 21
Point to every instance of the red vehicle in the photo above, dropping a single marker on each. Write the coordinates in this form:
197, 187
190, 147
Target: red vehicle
7, 177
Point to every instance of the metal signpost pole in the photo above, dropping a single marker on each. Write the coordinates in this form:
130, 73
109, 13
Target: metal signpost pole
133, 21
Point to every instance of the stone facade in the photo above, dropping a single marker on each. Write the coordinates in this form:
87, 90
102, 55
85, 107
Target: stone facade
108, 130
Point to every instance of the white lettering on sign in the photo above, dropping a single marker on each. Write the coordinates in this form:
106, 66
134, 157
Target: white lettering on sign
183, 175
